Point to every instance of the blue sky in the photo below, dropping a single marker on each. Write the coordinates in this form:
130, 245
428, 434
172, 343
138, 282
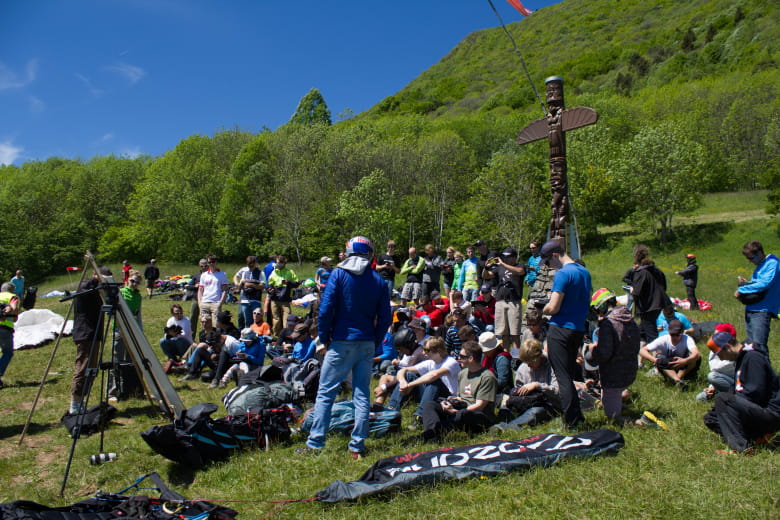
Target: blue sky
80, 78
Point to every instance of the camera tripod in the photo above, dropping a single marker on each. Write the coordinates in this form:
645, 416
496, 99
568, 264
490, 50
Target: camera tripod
156, 384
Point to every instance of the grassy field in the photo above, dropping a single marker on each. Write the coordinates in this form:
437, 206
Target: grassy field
658, 474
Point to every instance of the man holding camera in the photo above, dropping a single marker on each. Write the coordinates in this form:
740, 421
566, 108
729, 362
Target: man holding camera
509, 295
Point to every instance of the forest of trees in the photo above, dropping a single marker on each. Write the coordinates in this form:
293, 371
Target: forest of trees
435, 163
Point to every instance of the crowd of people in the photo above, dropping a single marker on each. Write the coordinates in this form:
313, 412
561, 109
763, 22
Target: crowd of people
477, 341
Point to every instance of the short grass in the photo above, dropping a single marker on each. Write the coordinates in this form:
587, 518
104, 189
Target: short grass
658, 474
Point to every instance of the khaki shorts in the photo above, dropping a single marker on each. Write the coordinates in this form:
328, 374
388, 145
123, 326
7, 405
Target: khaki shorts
507, 318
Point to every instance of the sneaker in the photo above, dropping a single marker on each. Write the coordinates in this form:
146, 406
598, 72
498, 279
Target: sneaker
214, 384
416, 424
681, 385
189, 377
652, 372
306, 451
496, 429
650, 420
356, 455
221, 384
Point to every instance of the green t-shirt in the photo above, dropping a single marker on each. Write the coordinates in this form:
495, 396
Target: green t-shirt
133, 298
479, 385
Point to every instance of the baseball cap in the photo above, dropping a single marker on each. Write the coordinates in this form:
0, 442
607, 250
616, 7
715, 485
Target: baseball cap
675, 327
299, 331
509, 251
550, 247
417, 323
719, 340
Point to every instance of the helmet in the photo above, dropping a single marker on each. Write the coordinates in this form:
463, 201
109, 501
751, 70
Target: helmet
405, 337
601, 297
360, 246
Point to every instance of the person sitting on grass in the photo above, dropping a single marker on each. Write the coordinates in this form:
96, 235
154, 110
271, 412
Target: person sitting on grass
249, 355
674, 355
668, 314
498, 361
472, 410
178, 334
428, 380
751, 413
536, 396
721, 374
410, 353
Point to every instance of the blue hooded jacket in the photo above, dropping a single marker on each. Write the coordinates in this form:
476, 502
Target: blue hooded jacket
355, 305
766, 277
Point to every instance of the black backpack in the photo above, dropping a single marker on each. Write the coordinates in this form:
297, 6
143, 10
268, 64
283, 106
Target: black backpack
30, 293
95, 419
195, 439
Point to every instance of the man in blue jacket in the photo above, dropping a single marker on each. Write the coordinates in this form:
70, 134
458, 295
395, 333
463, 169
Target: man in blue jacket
354, 315
760, 294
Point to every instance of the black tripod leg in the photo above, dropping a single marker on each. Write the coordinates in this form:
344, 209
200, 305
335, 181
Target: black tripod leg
91, 374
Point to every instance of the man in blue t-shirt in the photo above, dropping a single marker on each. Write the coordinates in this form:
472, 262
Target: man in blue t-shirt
568, 308
669, 314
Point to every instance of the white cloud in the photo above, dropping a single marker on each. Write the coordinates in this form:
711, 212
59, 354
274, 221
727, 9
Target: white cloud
9, 153
132, 73
36, 104
130, 153
106, 137
87, 83
9, 78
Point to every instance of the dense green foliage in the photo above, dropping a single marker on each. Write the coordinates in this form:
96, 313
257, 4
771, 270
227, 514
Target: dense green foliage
687, 94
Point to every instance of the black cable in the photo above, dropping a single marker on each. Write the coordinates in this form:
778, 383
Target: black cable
519, 54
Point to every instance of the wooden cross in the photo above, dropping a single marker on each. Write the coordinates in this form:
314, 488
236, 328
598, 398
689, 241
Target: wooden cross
558, 121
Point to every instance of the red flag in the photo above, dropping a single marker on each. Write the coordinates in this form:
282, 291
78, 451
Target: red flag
520, 7
73, 268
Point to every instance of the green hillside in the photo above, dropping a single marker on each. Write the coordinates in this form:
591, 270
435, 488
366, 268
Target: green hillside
602, 48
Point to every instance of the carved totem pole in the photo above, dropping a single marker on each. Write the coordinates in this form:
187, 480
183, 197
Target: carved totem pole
558, 121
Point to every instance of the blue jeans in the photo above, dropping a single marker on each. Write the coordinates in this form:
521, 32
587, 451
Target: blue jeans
390, 286
7, 346
174, 348
721, 382
342, 358
245, 310
430, 392
470, 295
534, 415
757, 329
